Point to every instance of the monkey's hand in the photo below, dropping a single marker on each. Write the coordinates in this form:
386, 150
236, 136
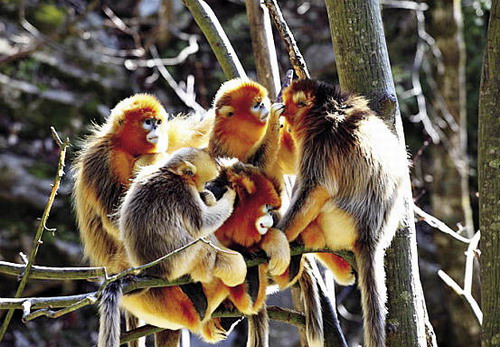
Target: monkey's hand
277, 110
230, 267
208, 197
229, 197
276, 246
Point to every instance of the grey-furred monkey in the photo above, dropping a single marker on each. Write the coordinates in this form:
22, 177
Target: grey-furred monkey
163, 211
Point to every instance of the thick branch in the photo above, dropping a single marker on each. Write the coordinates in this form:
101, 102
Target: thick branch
275, 313
216, 37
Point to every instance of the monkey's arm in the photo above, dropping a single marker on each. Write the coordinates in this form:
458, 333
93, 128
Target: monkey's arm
276, 246
307, 202
265, 152
214, 216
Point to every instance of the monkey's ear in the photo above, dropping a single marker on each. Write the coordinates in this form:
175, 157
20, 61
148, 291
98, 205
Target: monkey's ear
185, 168
241, 183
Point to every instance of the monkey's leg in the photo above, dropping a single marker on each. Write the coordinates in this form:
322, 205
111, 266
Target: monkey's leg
306, 204
131, 323
167, 338
341, 269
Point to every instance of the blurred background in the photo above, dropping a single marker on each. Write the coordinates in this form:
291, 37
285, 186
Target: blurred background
66, 63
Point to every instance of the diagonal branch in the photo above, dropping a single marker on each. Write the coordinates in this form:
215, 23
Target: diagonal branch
216, 37
296, 58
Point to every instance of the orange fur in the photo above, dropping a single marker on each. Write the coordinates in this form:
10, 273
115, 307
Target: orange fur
237, 128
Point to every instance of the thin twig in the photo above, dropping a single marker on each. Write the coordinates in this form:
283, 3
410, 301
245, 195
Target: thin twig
441, 226
466, 291
37, 240
185, 97
296, 58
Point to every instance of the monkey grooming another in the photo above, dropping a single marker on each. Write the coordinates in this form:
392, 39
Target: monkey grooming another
163, 211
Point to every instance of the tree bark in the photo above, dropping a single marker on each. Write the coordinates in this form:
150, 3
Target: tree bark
363, 67
216, 37
450, 170
266, 62
489, 182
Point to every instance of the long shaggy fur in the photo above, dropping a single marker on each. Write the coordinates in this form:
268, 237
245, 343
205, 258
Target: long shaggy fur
258, 329
312, 307
109, 312
350, 177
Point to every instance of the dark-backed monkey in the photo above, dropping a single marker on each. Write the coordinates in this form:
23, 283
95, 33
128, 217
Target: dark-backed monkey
348, 189
163, 211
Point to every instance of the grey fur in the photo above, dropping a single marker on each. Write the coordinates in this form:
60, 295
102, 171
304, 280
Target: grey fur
109, 312
161, 213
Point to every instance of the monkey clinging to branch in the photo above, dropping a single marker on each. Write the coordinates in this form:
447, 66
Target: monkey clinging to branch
348, 189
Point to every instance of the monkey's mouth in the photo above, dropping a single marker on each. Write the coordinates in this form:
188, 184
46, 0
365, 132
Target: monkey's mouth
264, 223
152, 139
264, 114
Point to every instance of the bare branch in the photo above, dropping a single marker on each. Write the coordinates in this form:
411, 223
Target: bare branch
216, 37
183, 95
264, 50
53, 273
296, 58
466, 291
38, 235
436, 223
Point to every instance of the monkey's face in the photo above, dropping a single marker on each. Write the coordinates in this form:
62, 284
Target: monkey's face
257, 198
298, 101
241, 103
142, 126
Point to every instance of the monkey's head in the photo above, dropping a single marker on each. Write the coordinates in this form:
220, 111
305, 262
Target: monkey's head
299, 97
139, 125
241, 104
257, 199
195, 166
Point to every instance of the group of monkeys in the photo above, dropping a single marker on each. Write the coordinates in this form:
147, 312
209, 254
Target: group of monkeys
146, 186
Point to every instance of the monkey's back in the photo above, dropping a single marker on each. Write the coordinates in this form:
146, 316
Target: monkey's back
157, 216
96, 195
359, 159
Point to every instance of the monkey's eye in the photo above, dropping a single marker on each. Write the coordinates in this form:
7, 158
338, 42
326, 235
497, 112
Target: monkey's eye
158, 121
269, 208
230, 114
301, 104
188, 172
148, 124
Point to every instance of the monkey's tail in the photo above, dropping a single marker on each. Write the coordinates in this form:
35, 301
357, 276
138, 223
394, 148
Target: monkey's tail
109, 312
371, 282
312, 306
258, 329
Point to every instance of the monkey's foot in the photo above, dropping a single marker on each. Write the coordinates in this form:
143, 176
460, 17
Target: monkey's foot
230, 268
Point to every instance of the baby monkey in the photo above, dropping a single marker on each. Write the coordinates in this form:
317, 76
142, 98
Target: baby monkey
163, 211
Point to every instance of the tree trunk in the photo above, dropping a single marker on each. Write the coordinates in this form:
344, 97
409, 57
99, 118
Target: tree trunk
450, 188
489, 182
363, 67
